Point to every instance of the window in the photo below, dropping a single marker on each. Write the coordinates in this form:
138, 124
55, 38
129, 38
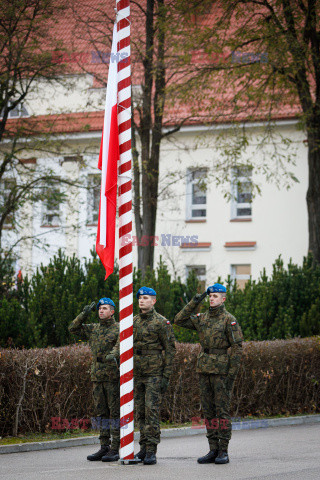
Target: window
17, 112
51, 207
241, 190
241, 273
6, 187
200, 272
196, 194
93, 198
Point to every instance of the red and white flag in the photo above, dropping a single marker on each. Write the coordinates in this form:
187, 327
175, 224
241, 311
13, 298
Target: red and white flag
108, 164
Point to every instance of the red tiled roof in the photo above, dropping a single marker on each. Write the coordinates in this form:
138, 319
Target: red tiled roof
53, 124
79, 56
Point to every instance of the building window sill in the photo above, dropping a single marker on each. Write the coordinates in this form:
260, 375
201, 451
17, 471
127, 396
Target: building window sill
200, 246
49, 226
196, 221
231, 246
241, 220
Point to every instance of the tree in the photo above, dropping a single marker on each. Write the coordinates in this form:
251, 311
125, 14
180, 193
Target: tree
262, 56
154, 70
27, 45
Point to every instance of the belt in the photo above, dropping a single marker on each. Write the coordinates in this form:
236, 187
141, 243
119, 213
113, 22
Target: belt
153, 351
215, 350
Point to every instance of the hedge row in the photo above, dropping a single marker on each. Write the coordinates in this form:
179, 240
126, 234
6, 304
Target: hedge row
276, 377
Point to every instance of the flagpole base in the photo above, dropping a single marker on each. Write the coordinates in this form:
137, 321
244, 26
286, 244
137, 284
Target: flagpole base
129, 461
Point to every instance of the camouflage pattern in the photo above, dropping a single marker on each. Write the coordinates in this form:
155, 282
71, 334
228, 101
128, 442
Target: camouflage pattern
107, 410
218, 331
147, 400
215, 394
102, 337
153, 354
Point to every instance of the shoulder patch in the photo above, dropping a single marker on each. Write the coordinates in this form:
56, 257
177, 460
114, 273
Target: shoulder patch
198, 314
168, 323
233, 322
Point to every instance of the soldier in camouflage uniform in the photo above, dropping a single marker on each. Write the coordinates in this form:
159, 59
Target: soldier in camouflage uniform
218, 330
102, 337
154, 350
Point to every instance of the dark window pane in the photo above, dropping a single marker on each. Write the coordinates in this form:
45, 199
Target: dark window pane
198, 196
244, 197
243, 212
199, 213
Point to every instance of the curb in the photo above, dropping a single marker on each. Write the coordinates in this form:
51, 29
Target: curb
166, 433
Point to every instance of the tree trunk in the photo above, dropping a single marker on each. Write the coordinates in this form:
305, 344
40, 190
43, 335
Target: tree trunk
313, 194
151, 130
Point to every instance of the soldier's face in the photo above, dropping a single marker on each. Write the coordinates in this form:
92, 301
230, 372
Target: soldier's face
146, 302
216, 299
105, 312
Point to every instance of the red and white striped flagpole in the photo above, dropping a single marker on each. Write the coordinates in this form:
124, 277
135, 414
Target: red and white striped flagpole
125, 232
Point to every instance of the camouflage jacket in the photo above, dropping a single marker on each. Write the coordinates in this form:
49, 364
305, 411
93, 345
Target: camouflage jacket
218, 330
101, 337
153, 345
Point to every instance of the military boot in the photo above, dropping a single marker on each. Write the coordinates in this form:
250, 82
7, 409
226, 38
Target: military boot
111, 456
222, 457
150, 458
98, 455
142, 453
209, 458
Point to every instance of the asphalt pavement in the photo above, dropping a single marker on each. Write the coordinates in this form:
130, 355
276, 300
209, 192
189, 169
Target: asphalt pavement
282, 453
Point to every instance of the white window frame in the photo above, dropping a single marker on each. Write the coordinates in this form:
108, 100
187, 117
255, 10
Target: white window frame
50, 213
235, 276
4, 193
190, 206
20, 111
201, 278
90, 198
237, 180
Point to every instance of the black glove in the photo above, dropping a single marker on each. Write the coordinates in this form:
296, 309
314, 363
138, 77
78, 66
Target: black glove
164, 385
199, 297
88, 308
100, 359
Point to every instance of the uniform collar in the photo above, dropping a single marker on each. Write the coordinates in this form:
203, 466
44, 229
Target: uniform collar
110, 321
147, 315
215, 311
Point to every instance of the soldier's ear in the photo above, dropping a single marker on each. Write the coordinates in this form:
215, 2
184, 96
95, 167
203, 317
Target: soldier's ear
154, 300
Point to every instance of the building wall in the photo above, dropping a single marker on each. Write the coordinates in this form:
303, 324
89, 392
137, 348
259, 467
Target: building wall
279, 216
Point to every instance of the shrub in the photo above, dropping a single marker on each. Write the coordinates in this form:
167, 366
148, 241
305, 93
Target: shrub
276, 377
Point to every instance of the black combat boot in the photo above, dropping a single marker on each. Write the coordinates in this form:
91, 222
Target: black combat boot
150, 458
209, 458
222, 457
142, 453
98, 455
111, 456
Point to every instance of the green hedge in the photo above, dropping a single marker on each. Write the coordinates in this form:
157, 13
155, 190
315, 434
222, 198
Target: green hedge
276, 377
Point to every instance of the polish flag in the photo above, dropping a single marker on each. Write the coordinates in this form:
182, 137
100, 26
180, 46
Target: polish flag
108, 164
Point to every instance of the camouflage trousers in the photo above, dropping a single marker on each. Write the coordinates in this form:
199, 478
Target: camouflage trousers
106, 399
215, 394
147, 407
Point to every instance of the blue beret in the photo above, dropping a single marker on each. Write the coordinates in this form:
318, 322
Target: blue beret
146, 291
105, 301
217, 287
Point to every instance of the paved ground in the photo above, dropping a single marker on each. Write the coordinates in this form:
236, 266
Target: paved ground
283, 453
